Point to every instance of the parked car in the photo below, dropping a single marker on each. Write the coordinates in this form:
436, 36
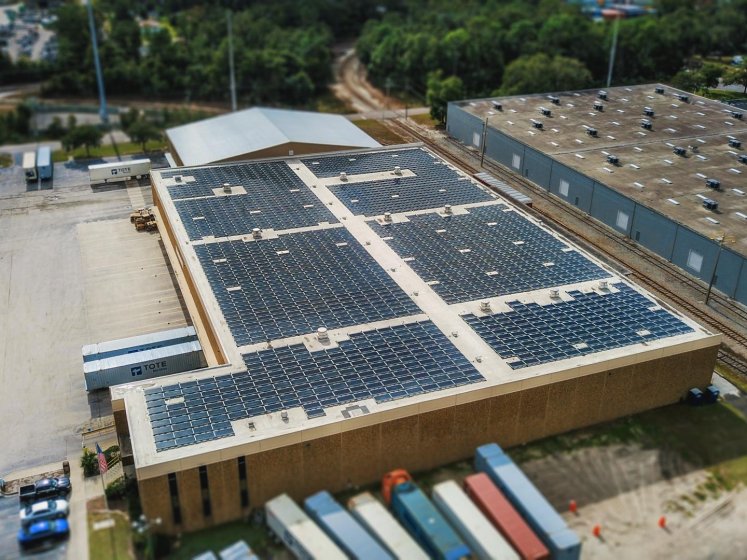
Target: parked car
45, 489
41, 531
46, 509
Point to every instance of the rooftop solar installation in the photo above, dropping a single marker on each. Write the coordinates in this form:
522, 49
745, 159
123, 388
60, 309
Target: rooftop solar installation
488, 252
296, 283
534, 334
415, 160
383, 364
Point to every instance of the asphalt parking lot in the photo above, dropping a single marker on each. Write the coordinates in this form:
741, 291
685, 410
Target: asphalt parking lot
9, 525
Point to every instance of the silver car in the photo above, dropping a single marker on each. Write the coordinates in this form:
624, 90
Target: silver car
44, 510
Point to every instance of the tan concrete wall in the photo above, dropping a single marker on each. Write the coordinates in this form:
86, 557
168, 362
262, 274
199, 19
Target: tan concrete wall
431, 439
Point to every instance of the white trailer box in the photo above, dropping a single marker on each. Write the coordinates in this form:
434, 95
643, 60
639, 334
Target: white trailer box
148, 364
479, 534
29, 166
118, 171
138, 343
384, 527
298, 532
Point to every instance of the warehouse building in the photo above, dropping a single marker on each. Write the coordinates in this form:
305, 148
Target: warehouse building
261, 133
660, 166
371, 310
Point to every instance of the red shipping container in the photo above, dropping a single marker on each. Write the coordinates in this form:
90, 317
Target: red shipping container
499, 511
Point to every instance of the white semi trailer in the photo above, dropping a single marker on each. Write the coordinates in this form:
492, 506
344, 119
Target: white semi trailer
118, 171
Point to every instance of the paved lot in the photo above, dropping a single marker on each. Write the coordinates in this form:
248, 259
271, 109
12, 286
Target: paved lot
9, 527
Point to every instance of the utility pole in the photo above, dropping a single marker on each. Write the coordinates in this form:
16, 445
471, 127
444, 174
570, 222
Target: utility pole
97, 63
613, 49
230, 61
482, 140
715, 266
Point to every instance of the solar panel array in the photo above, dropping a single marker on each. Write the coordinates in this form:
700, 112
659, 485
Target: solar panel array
537, 334
486, 253
275, 174
382, 364
415, 159
263, 207
276, 288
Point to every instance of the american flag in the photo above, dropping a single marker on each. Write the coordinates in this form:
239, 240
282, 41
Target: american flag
103, 467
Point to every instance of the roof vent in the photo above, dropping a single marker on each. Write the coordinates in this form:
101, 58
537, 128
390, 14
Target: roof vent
343, 176
227, 188
545, 111
447, 209
648, 111
591, 132
485, 306
177, 178
737, 115
598, 106
680, 151
497, 105
734, 143
648, 125
742, 158
284, 415
602, 95
256, 233
554, 100
684, 98
710, 204
614, 160
555, 293
713, 183
397, 170
322, 335
537, 124
388, 217
659, 90
603, 284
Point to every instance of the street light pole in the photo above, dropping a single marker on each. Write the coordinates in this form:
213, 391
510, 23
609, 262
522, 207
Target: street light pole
715, 267
482, 140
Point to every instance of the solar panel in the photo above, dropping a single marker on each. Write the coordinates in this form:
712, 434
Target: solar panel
415, 159
383, 364
275, 288
489, 252
534, 334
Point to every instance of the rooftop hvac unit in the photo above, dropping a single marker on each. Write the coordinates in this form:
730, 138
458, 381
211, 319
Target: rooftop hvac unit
554, 293
227, 188
591, 132
614, 160
737, 115
322, 335
554, 100
388, 217
603, 284
659, 90
485, 306
684, 98
648, 111
177, 178
648, 125
447, 209
602, 95
713, 183
546, 112
284, 415
710, 204
742, 158
680, 151
343, 176
497, 105
397, 170
256, 233
537, 124
598, 106
734, 143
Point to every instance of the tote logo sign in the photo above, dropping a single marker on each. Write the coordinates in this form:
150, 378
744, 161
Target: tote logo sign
122, 170
137, 370
152, 367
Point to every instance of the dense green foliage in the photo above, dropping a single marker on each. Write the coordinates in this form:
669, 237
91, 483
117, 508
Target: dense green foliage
15, 125
507, 47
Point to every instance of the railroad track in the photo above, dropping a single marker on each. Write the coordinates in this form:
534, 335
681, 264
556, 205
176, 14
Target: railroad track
733, 336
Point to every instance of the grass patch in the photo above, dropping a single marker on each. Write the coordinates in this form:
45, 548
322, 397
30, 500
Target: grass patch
114, 542
379, 132
330, 103
732, 377
217, 538
6, 160
425, 119
724, 94
107, 150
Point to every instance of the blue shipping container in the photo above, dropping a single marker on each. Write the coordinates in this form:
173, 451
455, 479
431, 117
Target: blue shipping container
44, 162
420, 517
342, 528
563, 543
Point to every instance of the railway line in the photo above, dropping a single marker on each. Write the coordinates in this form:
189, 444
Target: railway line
464, 159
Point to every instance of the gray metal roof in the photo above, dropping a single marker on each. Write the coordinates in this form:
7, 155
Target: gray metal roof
251, 130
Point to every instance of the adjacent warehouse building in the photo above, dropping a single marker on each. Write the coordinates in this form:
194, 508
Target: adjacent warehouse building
261, 133
371, 310
663, 167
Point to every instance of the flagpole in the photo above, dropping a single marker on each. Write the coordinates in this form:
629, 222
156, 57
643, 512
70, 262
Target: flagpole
102, 459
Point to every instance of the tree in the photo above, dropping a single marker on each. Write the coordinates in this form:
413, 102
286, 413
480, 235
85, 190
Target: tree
85, 135
440, 91
737, 76
539, 73
141, 131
